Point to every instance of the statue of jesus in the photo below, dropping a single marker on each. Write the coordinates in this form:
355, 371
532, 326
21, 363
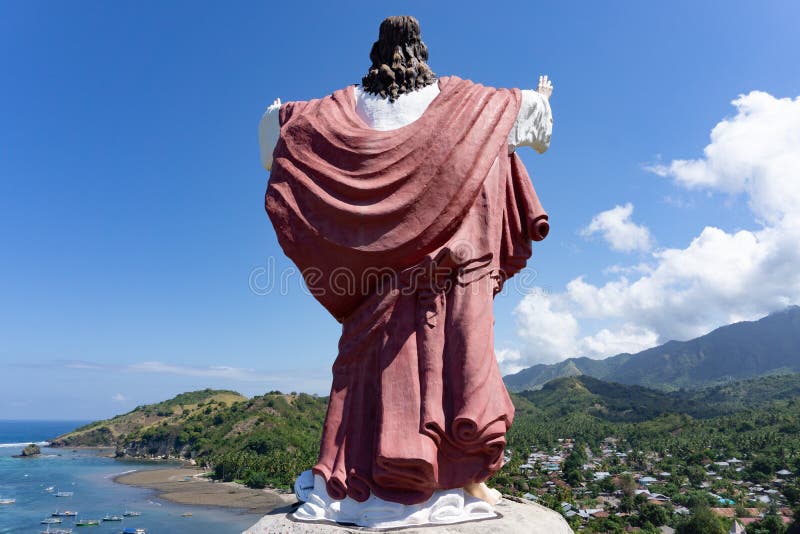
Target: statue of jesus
403, 203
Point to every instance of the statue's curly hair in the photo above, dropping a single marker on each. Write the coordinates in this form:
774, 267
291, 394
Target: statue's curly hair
399, 60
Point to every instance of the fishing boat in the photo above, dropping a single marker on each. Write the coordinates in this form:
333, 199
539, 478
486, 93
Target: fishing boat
51, 521
8, 501
50, 489
186, 514
64, 493
65, 513
57, 531
131, 513
87, 523
112, 518
131, 530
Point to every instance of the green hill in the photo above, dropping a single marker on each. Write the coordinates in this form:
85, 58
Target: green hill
682, 433
615, 402
275, 435
605, 400
269, 439
739, 351
112, 432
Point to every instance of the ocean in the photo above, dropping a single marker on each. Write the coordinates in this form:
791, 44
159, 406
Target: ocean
88, 475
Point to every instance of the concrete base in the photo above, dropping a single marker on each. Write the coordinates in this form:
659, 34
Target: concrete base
516, 518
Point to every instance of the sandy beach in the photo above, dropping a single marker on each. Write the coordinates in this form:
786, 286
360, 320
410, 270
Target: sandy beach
185, 486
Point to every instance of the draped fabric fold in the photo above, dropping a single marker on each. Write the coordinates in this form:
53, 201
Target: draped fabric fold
405, 236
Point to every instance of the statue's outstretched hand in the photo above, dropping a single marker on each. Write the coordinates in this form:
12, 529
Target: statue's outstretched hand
545, 86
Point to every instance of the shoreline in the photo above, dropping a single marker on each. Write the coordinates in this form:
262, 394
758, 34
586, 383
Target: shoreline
107, 449
183, 485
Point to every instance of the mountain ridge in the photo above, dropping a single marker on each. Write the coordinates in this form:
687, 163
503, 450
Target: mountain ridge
770, 345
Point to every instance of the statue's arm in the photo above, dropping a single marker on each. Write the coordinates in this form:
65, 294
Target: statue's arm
269, 129
534, 124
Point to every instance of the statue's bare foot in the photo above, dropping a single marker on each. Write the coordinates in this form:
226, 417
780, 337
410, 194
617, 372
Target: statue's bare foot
483, 492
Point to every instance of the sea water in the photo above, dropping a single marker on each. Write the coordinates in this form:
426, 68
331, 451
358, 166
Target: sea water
89, 475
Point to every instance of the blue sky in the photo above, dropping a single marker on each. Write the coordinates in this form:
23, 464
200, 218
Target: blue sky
131, 192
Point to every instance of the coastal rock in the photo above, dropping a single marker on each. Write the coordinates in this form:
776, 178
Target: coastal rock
515, 517
31, 450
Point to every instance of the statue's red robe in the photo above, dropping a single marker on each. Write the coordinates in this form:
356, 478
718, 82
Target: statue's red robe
405, 236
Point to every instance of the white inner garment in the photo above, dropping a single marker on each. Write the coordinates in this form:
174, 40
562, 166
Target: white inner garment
380, 114
532, 128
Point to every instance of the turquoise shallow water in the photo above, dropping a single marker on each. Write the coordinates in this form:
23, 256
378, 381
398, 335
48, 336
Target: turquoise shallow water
89, 475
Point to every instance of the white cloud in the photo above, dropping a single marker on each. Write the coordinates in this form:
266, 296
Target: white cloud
676, 201
548, 328
639, 268
616, 227
718, 278
629, 338
218, 371
314, 381
247, 380
510, 361
757, 153
80, 364
224, 372
119, 397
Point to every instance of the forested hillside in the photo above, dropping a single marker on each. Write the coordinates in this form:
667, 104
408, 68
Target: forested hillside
264, 440
111, 432
628, 457
611, 401
563, 435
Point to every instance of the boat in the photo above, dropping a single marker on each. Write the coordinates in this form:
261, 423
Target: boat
65, 513
131, 530
51, 521
50, 489
57, 531
186, 514
64, 494
8, 501
131, 513
112, 518
87, 523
